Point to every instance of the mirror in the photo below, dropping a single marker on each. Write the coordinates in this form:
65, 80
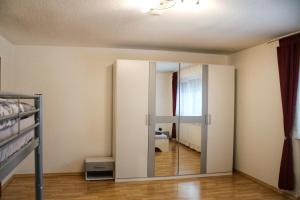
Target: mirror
166, 149
166, 80
190, 109
189, 148
190, 87
178, 111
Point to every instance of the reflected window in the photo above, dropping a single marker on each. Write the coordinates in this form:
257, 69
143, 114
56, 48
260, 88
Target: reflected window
190, 91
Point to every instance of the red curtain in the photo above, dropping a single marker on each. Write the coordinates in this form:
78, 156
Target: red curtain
174, 100
288, 54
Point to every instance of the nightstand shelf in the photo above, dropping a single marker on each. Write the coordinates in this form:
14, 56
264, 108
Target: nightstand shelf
99, 168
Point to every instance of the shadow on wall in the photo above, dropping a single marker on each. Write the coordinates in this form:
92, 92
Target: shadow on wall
109, 108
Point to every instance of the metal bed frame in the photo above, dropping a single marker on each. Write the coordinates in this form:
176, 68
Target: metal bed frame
35, 144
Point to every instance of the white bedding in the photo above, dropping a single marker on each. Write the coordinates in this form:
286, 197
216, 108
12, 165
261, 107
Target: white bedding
162, 142
15, 146
161, 136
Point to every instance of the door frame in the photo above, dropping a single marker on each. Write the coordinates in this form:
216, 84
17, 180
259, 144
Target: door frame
205, 122
151, 119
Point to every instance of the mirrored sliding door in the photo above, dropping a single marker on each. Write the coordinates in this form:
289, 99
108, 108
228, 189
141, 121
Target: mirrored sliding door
166, 119
190, 118
176, 122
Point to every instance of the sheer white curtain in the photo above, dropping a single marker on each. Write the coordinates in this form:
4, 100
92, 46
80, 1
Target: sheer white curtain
190, 97
190, 91
189, 102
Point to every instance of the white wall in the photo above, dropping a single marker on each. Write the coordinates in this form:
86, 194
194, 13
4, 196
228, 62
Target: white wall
7, 64
164, 101
77, 88
259, 124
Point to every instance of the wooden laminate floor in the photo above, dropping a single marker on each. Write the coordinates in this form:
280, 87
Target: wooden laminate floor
180, 159
234, 187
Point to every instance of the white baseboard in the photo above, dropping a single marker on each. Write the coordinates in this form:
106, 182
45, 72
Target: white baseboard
120, 180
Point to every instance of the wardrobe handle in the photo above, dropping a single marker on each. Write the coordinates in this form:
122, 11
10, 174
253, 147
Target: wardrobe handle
208, 119
147, 120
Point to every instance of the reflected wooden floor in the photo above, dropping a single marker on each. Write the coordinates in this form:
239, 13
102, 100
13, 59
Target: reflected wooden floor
234, 187
166, 163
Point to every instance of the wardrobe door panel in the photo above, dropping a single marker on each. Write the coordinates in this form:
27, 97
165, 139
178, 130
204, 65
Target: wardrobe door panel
131, 111
165, 129
220, 129
190, 118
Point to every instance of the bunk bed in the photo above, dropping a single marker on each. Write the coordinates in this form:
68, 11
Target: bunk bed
25, 125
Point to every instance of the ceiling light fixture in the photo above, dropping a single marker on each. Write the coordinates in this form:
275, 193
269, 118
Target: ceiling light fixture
197, 2
158, 6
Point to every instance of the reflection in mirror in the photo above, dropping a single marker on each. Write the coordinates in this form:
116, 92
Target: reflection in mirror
166, 151
189, 148
166, 74
190, 89
190, 104
178, 94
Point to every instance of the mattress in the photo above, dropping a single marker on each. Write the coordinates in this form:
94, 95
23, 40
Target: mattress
10, 127
162, 136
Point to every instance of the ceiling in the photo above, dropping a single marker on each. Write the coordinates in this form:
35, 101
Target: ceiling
220, 26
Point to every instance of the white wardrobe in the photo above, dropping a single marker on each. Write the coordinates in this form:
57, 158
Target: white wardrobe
130, 96
134, 123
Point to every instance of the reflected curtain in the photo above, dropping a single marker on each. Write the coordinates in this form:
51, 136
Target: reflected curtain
174, 100
288, 54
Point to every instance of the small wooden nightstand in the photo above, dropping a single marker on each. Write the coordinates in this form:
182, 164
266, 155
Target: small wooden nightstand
99, 168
